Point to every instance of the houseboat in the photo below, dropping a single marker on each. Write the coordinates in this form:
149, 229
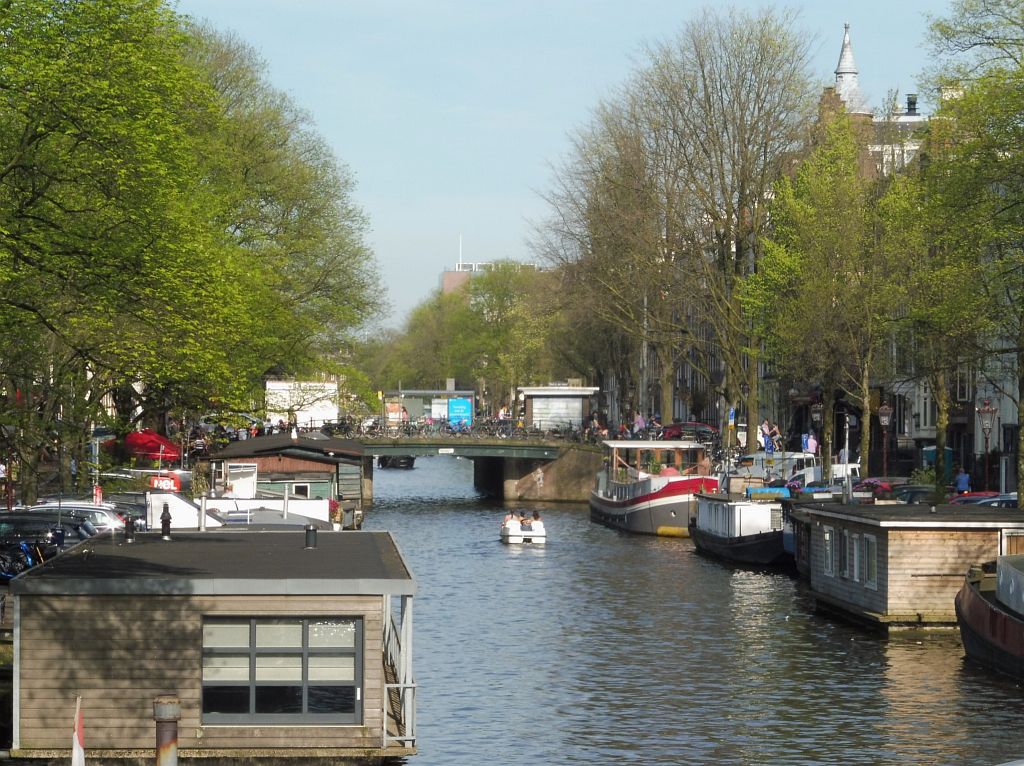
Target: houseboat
396, 461
277, 645
745, 529
990, 614
650, 487
897, 566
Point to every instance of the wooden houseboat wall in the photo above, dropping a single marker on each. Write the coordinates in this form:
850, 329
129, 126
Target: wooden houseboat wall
897, 566
151, 623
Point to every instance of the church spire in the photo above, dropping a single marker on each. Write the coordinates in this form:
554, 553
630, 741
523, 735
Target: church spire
846, 78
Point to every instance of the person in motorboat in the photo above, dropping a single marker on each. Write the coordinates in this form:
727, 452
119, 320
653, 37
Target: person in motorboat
533, 524
512, 519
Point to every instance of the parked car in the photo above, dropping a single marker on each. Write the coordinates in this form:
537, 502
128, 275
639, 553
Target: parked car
120, 503
103, 517
971, 498
231, 421
39, 526
1007, 500
913, 494
696, 431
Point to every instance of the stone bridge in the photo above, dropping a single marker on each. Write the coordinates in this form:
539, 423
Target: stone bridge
505, 468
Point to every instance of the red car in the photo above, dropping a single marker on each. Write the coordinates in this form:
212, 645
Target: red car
969, 498
146, 445
701, 432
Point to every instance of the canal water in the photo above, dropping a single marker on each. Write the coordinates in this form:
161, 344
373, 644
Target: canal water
605, 648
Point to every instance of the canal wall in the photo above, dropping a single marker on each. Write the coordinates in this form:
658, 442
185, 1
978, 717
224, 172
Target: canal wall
567, 478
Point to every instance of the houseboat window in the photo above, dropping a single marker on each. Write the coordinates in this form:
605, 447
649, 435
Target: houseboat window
284, 671
843, 562
300, 490
830, 552
869, 554
855, 558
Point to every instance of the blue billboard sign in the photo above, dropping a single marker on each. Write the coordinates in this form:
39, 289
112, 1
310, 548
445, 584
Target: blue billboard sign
460, 412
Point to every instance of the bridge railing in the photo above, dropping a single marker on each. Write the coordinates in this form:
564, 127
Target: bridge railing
486, 428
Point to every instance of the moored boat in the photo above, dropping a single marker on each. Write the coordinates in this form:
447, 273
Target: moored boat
649, 487
990, 614
742, 529
395, 461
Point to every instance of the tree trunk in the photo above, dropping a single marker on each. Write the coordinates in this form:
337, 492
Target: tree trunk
940, 395
666, 382
827, 436
753, 405
865, 419
1020, 419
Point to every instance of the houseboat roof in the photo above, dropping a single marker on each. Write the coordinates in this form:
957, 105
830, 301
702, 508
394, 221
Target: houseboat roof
651, 444
898, 516
225, 562
316, 447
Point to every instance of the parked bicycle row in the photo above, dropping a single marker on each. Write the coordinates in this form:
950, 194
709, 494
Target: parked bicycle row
427, 427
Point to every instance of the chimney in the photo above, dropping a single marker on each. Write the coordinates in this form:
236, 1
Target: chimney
911, 104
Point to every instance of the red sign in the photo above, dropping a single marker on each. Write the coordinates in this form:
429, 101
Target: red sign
167, 483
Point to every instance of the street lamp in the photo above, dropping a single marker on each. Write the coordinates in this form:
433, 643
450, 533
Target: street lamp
744, 393
884, 418
987, 412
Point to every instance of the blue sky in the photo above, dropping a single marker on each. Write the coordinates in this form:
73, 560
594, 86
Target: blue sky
451, 113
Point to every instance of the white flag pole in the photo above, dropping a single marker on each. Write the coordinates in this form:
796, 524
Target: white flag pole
78, 736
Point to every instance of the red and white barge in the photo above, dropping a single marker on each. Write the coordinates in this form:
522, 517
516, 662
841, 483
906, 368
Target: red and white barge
650, 486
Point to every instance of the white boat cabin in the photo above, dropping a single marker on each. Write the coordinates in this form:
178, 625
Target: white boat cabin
731, 518
637, 460
768, 466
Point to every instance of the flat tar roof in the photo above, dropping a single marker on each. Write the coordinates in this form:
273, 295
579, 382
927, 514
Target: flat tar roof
901, 515
225, 562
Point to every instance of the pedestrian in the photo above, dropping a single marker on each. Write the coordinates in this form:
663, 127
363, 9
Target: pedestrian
639, 424
962, 482
812, 443
765, 433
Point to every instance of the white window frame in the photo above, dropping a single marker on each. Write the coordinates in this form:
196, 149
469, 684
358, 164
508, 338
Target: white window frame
304, 651
964, 379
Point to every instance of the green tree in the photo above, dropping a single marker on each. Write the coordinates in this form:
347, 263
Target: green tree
99, 196
975, 171
162, 239
823, 298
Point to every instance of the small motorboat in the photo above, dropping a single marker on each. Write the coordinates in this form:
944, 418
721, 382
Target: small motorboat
514, 533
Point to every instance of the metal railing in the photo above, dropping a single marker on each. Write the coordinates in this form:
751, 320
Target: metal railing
404, 687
